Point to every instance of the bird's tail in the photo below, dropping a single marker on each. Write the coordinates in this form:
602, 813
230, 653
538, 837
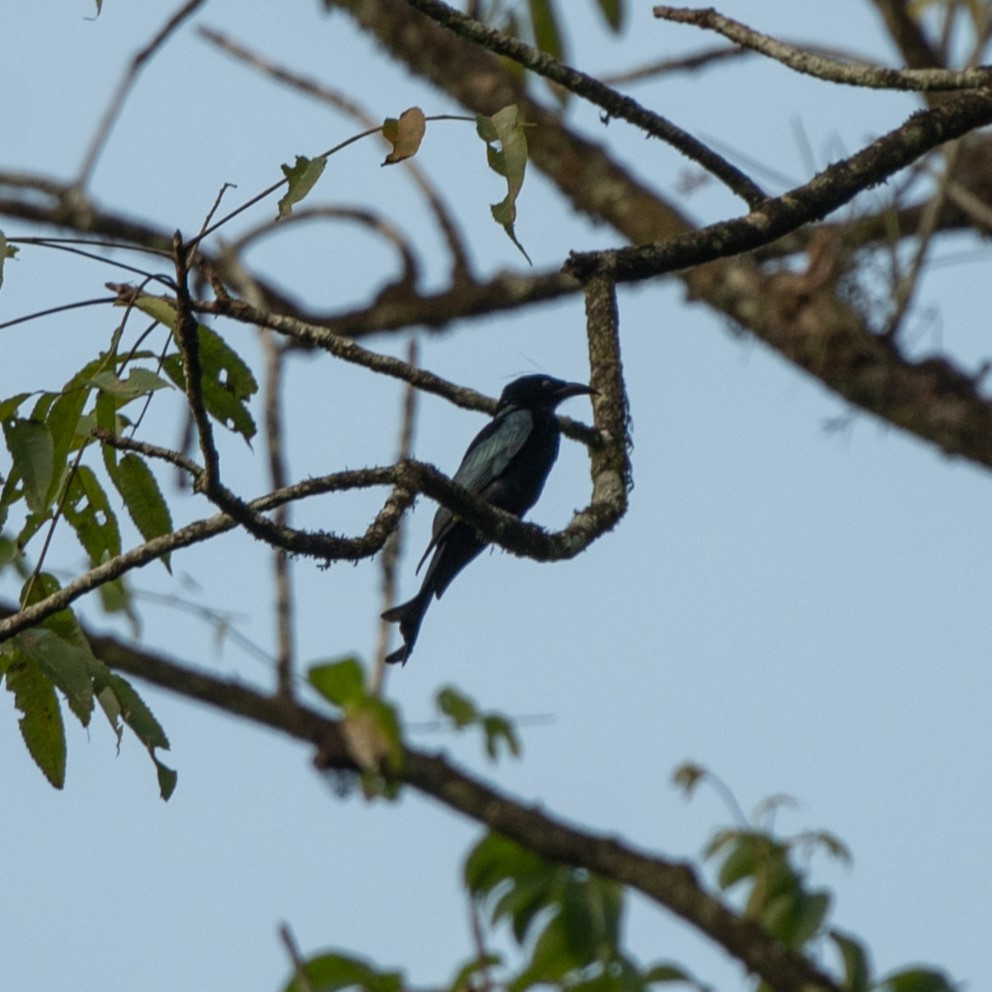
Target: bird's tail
409, 616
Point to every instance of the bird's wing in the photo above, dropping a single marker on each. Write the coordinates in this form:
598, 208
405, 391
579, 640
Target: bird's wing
490, 452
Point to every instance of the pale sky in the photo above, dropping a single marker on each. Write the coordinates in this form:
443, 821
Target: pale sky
798, 598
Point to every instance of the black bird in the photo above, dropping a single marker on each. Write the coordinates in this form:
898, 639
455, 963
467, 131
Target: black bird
506, 464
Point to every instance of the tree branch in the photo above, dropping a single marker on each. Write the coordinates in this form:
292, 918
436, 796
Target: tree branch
670, 884
830, 70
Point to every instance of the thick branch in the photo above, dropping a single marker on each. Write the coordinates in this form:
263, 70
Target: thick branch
670, 884
836, 185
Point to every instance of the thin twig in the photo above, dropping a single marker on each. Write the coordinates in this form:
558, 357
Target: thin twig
830, 70
188, 338
313, 88
99, 301
281, 573
394, 546
589, 88
124, 88
148, 450
299, 967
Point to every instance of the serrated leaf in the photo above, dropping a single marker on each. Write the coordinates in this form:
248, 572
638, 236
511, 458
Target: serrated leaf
143, 499
339, 682
41, 721
32, 452
226, 385
405, 134
300, 178
136, 714
88, 511
64, 664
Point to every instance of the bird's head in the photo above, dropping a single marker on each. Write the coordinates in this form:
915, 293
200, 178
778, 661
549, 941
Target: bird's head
536, 391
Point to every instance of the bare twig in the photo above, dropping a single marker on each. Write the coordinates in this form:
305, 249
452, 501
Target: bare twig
124, 87
282, 574
148, 450
299, 967
589, 88
872, 77
313, 88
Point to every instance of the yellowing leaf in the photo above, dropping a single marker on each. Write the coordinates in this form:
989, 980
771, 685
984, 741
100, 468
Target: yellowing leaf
404, 134
509, 161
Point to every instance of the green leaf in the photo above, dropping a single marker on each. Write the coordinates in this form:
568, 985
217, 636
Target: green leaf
300, 178
613, 11
131, 708
547, 34
167, 779
665, 971
158, 309
63, 424
330, 972
857, 971
918, 980
32, 452
88, 512
136, 714
551, 959
6, 251
10, 406
509, 161
227, 382
139, 382
41, 723
339, 682
499, 730
458, 708
465, 976
462, 711
65, 664
144, 500
372, 730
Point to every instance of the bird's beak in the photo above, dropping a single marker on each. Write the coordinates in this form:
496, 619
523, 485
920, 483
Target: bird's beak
574, 389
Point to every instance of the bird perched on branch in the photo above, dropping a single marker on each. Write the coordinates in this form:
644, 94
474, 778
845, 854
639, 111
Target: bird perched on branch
506, 464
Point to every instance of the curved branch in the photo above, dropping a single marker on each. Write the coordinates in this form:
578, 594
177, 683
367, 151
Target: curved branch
824, 193
589, 88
